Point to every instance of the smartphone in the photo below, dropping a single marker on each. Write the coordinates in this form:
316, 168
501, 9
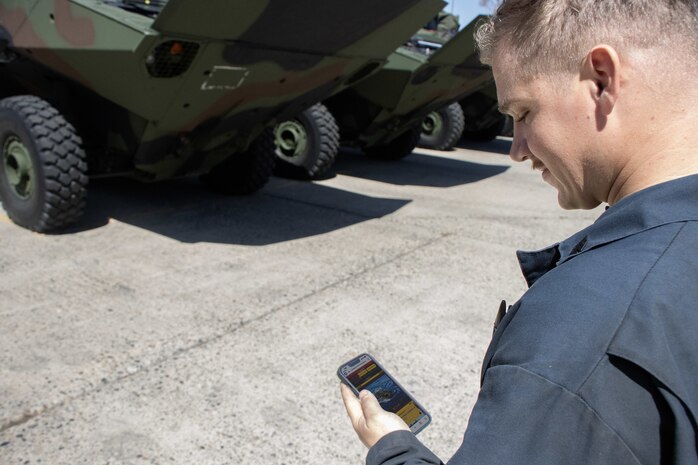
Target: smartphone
364, 372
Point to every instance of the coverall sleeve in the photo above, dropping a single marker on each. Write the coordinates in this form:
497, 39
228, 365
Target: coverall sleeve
401, 447
520, 418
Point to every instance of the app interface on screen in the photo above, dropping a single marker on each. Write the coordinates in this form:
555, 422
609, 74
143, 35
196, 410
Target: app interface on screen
367, 375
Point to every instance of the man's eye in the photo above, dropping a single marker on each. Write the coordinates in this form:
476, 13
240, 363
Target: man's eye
522, 118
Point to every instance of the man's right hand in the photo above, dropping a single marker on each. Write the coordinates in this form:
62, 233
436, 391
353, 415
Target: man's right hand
368, 418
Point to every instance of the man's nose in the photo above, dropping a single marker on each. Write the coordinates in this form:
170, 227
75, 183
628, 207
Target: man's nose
519, 147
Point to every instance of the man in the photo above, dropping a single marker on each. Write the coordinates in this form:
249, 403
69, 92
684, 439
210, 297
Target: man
598, 361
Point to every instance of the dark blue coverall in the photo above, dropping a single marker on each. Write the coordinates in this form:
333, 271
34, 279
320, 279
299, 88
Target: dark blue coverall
598, 361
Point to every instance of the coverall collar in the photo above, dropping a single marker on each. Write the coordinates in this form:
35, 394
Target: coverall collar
668, 202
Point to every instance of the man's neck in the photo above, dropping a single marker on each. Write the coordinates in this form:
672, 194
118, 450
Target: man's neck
655, 146
662, 166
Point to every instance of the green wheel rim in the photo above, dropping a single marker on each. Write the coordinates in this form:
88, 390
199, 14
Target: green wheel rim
291, 140
19, 168
433, 124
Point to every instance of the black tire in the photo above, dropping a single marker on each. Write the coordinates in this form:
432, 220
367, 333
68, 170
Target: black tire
313, 157
247, 172
43, 171
442, 129
398, 148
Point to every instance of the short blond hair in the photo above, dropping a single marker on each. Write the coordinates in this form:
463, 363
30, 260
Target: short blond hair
547, 36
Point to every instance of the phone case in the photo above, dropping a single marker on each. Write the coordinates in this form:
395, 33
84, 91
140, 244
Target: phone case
356, 360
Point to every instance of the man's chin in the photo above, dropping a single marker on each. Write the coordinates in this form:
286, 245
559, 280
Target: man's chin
570, 203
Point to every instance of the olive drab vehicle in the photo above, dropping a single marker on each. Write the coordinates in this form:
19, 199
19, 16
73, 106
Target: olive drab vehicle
476, 117
393, 103
483, 120
383, 113
157, 89
442, 28
443, 127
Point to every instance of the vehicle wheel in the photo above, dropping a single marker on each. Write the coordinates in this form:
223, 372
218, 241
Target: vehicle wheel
43, 172
307, 145
442, 129
247, 172
398, 148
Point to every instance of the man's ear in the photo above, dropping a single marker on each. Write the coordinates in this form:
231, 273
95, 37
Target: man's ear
602, 67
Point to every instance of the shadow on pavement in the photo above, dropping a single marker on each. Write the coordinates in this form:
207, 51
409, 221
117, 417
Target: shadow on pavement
185, 211
284, 210
501, 145
416, 169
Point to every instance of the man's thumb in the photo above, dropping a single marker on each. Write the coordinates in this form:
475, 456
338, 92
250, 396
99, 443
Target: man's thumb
369, 404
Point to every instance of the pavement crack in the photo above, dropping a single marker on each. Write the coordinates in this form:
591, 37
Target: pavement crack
350, 277
25, 417
232, 329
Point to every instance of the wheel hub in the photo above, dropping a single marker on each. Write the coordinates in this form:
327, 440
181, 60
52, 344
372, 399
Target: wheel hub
19, 169
291, 140
433, 124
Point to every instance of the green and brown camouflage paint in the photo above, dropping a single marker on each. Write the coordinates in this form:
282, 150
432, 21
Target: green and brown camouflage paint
178, 93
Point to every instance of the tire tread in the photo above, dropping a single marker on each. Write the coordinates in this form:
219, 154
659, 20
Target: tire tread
62, 158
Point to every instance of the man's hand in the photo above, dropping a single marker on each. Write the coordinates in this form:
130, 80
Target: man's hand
368, 418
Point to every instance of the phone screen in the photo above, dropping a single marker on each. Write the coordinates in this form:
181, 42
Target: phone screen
365, 373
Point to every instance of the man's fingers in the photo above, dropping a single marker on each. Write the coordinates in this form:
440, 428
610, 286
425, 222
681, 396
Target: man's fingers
369, 420
370, 405
351, 403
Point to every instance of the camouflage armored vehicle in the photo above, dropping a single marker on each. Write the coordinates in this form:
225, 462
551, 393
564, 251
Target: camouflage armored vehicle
383, 113
483, 120
158, 89
442, 28
476, 117
442, 128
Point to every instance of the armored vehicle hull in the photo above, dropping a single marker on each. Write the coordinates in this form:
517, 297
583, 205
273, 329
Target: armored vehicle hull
483, 121
167, 89
383, 113
396, 100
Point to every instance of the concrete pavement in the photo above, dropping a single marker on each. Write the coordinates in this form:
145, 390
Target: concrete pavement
173, 325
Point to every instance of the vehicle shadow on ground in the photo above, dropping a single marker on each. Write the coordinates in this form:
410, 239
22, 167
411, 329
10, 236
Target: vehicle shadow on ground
417, 169
500, 145
185, 211
283, 210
